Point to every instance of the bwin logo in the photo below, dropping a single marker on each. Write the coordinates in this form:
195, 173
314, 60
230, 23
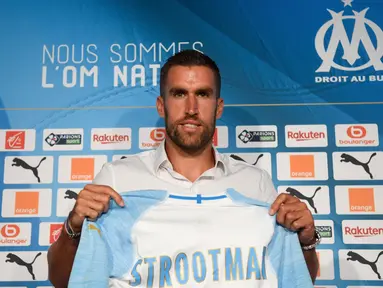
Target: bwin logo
359, 37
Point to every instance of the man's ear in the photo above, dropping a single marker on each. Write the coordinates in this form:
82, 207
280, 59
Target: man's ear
219, 108
160, 106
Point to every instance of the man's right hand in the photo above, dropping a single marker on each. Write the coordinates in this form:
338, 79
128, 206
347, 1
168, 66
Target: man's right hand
91, 202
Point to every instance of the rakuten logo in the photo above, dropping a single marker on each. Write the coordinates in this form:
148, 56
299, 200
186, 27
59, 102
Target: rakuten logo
306, 135
357, 135
111, 139
363, 232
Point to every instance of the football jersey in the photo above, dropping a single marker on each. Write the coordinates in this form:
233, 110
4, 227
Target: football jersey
159, 239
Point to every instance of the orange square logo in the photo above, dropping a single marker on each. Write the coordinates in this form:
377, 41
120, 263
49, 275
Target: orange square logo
82, 169
14, 140
27, 202
215, 137
361, 199
302, 166
55, 231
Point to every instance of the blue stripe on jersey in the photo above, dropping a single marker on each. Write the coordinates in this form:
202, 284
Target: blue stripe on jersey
198, 197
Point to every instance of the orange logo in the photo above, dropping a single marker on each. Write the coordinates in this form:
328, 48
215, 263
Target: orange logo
27, 202
361, 199
215, 137
356, 132
14, 140
157, 134
55, 231
10, 231
302, 166
82, 169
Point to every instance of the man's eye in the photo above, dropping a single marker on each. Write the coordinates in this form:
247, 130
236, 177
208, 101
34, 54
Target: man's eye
179, 94
203, 94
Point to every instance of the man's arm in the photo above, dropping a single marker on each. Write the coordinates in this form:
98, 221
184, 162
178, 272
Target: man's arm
312, 263
61, 255
91, 202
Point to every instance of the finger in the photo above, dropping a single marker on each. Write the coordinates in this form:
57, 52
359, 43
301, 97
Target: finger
285, 209
283, 198
88, 202
294, 220
106, 190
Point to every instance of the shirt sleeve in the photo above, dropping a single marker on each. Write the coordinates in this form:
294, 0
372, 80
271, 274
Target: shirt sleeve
287, 259
267, 187
105, 176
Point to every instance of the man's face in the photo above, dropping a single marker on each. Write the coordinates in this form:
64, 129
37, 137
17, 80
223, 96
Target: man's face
190, 106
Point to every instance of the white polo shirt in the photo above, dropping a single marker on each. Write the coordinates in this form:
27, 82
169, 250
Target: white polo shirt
152, 170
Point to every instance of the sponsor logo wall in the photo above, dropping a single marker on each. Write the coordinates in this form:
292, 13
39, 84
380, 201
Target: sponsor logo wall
83, 113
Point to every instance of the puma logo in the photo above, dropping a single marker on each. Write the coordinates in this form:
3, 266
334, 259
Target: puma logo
236, 157
348, 158
13, 258
123, 157
18, 162
356, 257
69, 194
93, 227
299, 195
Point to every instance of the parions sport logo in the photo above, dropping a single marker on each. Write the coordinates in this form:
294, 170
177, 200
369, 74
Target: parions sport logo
344, 54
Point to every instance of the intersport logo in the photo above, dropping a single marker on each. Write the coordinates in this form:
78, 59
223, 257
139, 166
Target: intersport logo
357, 135
306, 135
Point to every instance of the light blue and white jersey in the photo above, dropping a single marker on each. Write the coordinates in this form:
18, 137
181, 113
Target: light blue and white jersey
162, 239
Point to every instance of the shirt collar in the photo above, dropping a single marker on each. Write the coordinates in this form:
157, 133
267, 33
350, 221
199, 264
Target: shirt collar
161, 159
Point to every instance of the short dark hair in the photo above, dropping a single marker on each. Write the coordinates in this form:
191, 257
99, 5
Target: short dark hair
189, 58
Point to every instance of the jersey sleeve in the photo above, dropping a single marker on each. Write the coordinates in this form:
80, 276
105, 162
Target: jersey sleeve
287, 259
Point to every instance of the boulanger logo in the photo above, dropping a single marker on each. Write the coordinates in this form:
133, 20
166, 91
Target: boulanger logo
356, 135
15, 234
111, 139
151, 137
306, 135
366, 35
256, 136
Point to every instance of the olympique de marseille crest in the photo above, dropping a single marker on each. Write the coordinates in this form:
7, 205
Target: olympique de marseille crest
349, 58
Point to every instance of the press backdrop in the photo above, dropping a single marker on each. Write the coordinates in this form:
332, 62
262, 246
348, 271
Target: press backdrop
302, 83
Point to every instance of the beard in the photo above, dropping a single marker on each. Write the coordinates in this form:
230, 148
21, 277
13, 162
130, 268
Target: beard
190, 142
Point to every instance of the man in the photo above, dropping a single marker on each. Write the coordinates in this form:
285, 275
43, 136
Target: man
185, 164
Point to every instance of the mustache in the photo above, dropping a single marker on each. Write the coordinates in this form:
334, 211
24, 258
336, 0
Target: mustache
194, 118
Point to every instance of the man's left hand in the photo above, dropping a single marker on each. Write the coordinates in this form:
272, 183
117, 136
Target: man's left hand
293, 214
